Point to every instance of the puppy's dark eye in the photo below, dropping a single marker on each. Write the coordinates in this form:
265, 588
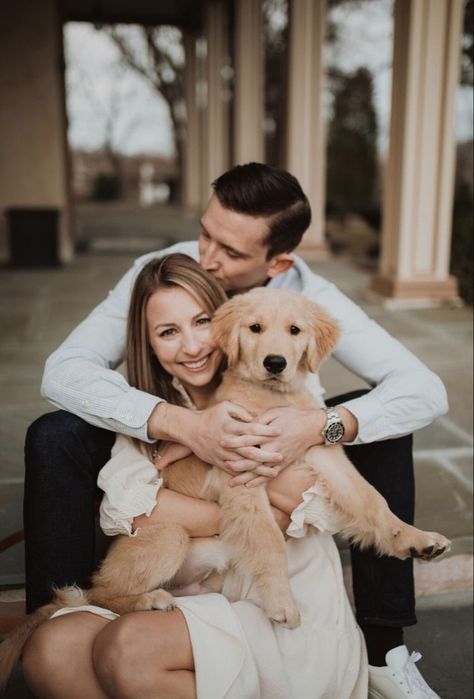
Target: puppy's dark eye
295, 330
256, 328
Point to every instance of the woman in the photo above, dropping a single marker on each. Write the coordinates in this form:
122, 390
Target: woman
206, 647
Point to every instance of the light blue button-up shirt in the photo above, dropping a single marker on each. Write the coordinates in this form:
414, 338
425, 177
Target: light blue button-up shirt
81, 375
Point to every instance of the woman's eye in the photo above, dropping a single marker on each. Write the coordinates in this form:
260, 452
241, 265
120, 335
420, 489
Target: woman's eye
203, 321
295, 330
255, 328
168, 332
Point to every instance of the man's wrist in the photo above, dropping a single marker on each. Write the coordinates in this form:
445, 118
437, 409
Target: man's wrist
166, 422
351, 424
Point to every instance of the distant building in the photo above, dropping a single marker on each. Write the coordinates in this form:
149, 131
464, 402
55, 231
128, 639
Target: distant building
143, 178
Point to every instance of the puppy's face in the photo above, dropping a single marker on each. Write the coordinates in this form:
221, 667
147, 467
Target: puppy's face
271, 336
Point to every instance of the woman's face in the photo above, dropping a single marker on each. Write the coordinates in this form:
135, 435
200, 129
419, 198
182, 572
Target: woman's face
180, 335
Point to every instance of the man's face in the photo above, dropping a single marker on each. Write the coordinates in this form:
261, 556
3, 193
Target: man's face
231, 248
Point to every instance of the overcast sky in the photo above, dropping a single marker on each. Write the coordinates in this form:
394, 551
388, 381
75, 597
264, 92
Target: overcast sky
98, 88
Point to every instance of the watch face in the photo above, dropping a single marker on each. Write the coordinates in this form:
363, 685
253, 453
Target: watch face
335, 432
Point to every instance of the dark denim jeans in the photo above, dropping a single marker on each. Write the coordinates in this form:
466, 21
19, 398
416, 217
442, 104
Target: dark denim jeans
63, 455
384, 590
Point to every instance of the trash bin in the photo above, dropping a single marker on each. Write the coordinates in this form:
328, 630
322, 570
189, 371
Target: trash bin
33, 235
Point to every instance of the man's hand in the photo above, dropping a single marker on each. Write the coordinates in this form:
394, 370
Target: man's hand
209, 433
299, 430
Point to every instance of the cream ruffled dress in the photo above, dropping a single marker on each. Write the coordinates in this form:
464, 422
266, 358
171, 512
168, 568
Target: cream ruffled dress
238, 652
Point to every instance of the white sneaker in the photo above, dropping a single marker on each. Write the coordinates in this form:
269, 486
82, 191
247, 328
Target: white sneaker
399, 678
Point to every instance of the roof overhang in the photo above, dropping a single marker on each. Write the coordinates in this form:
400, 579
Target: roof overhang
181, 13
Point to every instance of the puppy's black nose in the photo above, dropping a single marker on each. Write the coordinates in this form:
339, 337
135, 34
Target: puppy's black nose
274, 363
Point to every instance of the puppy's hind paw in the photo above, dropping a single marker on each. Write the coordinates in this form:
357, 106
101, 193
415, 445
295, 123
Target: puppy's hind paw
156, 599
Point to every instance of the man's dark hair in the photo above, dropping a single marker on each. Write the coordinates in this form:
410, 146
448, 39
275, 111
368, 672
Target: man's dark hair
257, 189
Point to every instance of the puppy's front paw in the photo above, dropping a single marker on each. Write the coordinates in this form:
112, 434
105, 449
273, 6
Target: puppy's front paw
410, 542
156, 599
287, 614
434, 547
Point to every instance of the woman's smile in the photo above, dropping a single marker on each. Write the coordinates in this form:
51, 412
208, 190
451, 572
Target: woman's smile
198, 364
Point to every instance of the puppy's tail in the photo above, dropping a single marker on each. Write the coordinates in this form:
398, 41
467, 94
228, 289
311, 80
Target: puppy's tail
12, 647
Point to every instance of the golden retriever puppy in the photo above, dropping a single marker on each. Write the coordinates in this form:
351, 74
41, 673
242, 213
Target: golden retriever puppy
272, 339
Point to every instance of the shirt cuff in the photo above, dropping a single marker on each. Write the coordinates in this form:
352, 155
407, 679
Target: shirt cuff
369, 413
134, 412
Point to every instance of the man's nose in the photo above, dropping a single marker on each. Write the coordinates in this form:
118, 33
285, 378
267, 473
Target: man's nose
209, 259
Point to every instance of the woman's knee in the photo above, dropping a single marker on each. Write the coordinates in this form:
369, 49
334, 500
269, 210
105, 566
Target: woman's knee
128, 654
114, 656
48, 651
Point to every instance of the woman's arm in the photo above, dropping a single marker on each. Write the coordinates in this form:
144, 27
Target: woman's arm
286, 490
198, 517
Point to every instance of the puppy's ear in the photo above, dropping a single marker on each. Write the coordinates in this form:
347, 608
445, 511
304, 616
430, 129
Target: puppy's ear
225, 327
323, 338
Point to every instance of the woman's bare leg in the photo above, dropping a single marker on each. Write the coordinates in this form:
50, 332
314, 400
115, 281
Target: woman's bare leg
57, 661
147, 655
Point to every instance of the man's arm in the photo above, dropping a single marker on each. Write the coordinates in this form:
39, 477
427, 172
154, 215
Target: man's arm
406, 395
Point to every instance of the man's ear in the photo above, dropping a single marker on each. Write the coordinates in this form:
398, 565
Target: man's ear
324, 335
225, 327
280, 264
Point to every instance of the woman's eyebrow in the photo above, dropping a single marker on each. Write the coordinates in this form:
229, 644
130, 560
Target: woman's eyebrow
163, 325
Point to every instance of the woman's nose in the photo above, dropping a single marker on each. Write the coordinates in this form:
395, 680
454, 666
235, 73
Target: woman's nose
191, 344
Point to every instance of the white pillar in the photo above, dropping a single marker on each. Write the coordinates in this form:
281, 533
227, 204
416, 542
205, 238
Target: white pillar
248, 142
192, 152
419, 179
216, 127
306, 154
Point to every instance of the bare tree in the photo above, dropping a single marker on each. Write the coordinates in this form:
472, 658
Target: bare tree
157, 55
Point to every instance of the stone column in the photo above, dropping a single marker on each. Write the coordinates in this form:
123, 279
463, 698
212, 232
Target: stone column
248, 141
216, 121
419, 179
306, 154
192, 154
33, 143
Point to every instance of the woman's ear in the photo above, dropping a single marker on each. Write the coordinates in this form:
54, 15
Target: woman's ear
324, 335
225, 327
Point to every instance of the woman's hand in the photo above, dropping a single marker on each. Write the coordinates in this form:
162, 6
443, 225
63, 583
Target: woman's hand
281, 518
170, 452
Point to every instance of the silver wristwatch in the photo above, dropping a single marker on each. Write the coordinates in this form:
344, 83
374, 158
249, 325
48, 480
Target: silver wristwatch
334, 430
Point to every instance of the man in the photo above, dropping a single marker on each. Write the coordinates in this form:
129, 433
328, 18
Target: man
255, 218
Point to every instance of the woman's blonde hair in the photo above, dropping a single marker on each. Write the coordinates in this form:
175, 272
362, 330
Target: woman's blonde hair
143, 368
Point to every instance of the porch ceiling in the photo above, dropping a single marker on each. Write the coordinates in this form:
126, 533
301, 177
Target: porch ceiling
183, 13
